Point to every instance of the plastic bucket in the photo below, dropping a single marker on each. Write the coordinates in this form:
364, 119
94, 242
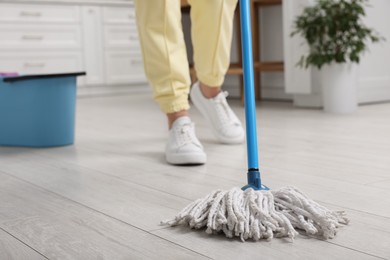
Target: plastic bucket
38, 110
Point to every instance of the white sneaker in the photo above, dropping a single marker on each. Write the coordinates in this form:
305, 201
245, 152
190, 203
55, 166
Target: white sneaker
225, 124
183, 146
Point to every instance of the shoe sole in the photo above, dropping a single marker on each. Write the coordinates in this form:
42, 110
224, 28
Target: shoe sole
237, 140
189, 158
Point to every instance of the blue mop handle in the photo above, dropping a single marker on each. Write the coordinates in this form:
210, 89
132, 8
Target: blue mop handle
249, 95
254, 180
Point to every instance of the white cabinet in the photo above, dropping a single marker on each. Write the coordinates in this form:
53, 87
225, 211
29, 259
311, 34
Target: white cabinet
56, 37
40, 62
121, 44
119, 15
123, 67
29, 36
121, 37
39, 13
36, 39
92, 44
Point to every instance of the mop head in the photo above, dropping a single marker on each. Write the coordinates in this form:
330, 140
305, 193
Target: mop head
261, 214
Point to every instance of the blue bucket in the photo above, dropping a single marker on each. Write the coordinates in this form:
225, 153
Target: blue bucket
38, 110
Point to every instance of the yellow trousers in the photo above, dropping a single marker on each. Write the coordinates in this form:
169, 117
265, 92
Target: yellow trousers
164, 50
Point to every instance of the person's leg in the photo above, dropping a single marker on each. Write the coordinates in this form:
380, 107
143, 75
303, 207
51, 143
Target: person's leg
166, 67
164, 52
212, 30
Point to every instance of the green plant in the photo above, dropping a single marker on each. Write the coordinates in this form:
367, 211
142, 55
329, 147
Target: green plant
334, 32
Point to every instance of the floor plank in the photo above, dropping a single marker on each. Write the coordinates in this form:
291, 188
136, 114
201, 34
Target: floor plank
222, 248
11, 248
62, 229
366, 233
135, 204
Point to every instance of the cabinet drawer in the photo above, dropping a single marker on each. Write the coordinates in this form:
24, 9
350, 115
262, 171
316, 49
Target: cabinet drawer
39, 13
40, 37
124, 67
119, 15
121, 37
36, 63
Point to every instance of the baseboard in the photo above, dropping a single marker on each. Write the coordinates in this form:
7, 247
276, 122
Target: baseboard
374, 90
371, 90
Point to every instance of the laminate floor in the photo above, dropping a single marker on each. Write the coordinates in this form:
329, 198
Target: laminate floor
103, 198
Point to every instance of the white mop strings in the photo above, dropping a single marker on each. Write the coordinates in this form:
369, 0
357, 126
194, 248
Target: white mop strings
262, 214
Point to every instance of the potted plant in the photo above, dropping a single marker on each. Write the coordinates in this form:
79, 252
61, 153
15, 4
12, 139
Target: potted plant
337, 38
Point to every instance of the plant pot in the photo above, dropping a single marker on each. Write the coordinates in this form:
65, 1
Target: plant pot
339, 88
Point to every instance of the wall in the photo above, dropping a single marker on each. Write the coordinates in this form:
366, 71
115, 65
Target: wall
374, 82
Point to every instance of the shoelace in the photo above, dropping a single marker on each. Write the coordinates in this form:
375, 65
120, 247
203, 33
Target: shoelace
185, 135
225, 114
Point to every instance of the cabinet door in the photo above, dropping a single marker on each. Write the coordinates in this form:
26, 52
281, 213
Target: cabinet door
119, 15
124, 67
93, 47
123, 37
297, 80
29, 37
41, 62
31, 13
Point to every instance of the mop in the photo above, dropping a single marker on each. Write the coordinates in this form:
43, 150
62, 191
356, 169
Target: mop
254, 211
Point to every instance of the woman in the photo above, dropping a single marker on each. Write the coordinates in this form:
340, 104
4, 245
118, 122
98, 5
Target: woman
166, 67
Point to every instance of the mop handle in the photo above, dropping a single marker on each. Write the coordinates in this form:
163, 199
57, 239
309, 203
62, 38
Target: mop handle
249, 95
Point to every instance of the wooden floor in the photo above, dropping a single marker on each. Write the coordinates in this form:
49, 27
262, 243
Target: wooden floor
103, 198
